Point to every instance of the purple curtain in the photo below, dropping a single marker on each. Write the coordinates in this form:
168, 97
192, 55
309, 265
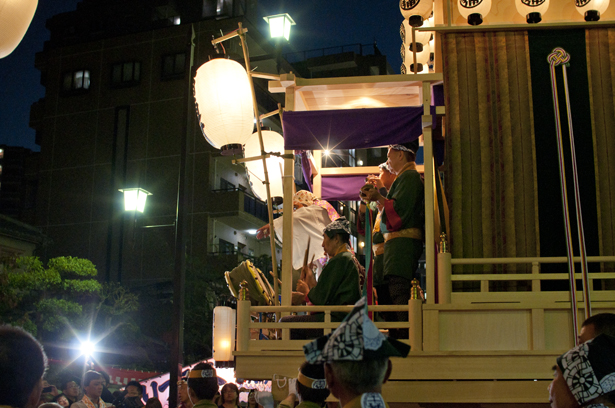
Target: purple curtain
351, 128
342, 188
306, 168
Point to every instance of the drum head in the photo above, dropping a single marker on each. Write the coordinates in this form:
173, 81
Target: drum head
256, 293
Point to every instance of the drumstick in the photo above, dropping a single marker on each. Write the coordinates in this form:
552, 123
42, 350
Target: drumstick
307, 251
279, 280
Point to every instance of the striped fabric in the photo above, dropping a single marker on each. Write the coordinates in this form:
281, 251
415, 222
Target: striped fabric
490, 152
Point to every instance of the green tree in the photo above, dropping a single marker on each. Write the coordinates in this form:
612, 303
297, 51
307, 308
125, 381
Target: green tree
43, 300
115, 302
205, 284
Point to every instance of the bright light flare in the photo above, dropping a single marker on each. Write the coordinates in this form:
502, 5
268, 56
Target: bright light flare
87, 348
327, 152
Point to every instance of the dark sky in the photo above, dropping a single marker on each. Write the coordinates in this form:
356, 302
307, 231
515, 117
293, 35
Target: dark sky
320, 24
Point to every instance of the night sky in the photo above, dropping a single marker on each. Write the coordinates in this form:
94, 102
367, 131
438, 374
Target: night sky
320, 24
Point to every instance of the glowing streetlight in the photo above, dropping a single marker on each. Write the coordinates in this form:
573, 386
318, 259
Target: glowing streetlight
135, 198
279, 25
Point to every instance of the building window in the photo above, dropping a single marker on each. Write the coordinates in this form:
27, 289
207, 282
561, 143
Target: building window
226, 247
173, 66
225, 185
125, 74
76, 81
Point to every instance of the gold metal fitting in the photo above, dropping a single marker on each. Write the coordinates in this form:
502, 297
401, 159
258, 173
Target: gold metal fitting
416, 292
243, 290
443, 243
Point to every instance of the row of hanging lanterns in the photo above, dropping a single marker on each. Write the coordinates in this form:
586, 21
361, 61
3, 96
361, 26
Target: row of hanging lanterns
416, 13
226, 115
474, 11
424, 49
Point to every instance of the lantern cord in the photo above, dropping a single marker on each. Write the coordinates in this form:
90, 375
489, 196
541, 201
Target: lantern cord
216, 46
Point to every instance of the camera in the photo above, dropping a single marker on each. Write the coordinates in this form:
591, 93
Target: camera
48, 389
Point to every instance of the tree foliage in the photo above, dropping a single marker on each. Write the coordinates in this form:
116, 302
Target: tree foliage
205, 285
115, 302
44, 299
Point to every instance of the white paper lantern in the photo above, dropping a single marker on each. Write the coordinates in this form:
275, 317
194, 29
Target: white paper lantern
532, 10
273, 142
591, 9
422, 56
224, 333
409, 68
416, 10
474, 11
15, 18
405, 32
224, 103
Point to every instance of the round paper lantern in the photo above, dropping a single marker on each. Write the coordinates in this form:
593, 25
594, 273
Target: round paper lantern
405, 32
415, 11
532, 9
474, 10
591, 9
423, 53
409, 68
273, 142
223, 333
224, 104
15, 18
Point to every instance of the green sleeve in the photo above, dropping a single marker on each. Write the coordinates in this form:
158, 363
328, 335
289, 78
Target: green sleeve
338, 283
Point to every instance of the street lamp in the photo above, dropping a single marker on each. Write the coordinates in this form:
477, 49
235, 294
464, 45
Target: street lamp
279, 25
134, 199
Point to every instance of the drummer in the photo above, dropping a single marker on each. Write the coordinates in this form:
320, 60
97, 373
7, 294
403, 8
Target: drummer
310, 216
338, 283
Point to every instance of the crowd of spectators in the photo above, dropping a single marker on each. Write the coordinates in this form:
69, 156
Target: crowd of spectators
583, 377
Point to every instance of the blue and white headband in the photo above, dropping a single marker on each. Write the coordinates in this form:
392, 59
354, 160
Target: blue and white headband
339, 225
400, 148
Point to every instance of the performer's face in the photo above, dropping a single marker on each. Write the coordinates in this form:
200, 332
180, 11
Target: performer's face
387, 178
587, 333
330, 245
394, 158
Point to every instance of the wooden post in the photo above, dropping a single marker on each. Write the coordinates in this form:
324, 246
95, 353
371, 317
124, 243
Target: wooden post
243, 325
444, 277
274, 264
415, 317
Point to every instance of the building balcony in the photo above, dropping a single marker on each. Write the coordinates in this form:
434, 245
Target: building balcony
237, 209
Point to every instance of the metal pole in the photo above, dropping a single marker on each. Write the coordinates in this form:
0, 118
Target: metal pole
179, 276
577, 202
242, 37
557, 57
430, 255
